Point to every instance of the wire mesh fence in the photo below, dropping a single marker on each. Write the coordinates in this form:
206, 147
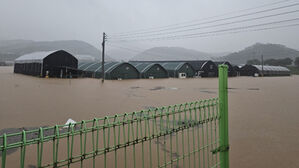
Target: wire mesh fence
182, 135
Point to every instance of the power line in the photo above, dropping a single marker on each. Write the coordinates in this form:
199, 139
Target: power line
247, 30
209, 32
202, 36
192, 21
212, 21
242, 31
211, 26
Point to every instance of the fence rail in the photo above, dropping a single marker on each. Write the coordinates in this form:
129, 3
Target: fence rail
183, 135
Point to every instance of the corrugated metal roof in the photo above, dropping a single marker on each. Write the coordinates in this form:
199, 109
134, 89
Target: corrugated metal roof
36, 57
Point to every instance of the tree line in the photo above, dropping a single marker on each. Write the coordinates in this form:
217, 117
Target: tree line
275, 62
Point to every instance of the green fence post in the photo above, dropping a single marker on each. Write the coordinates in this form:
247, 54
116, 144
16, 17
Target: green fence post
4, 150
223, 122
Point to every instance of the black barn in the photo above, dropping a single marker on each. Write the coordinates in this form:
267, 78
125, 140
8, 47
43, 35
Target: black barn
52, 64
231, 70
204, 68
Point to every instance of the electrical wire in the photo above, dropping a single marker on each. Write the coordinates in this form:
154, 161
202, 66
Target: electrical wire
207, 22
212, 26
192, 21
208, 32
150, 53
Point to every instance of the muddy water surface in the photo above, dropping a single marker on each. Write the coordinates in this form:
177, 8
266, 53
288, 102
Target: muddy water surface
263, 112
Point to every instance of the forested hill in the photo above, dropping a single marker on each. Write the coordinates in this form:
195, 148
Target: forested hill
269, 51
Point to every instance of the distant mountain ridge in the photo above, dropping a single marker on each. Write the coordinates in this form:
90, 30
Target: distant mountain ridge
171, 54
11, 49
269, 51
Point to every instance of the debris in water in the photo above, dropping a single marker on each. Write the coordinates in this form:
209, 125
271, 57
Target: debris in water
253, 88
69, 121
158, 88
173, 88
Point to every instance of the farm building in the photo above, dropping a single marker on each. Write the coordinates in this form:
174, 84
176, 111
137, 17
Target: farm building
113, 70
237, 69
151, 70
179, 69
204, 68
258, 70
53, 64
231, 70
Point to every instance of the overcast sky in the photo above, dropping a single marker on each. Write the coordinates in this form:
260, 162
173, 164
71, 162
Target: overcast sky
44, 20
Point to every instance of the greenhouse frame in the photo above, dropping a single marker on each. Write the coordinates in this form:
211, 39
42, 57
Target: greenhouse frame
113, 70
266, 70
151, 70
231, 70
205, 68
179, 69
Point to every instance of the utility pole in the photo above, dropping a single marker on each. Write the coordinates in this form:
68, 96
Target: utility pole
103, 56
262, 65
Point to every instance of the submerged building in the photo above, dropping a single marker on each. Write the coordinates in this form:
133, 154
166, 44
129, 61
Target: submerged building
231, 70
53, 64
205, 68
179, 69
151, 70
266, 70
113, 70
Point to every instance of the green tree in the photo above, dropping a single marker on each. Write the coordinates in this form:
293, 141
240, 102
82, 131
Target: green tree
254, 62
297, 62
279, 62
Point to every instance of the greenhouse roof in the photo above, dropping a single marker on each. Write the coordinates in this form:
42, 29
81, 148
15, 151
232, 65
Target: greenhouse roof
97, 66
173, 65
142, 67
271, 68
35, 57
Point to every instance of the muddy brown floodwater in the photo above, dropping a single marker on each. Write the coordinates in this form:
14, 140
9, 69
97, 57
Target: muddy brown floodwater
263, 112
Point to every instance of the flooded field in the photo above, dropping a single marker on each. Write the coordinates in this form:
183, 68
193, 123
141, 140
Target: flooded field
263, 112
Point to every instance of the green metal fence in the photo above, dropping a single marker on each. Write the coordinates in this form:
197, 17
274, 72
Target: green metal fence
184, 135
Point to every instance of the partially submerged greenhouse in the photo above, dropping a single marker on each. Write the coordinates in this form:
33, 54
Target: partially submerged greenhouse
113, 70
204, 68
266, 70
179, 69
52, 64
150, 70
231, 70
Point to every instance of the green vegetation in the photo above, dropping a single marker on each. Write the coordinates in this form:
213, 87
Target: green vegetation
254, 62
294, 70
269, 51
296, 62
279, 62
273, 62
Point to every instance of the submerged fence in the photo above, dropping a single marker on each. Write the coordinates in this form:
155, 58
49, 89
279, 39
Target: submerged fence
185, 135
